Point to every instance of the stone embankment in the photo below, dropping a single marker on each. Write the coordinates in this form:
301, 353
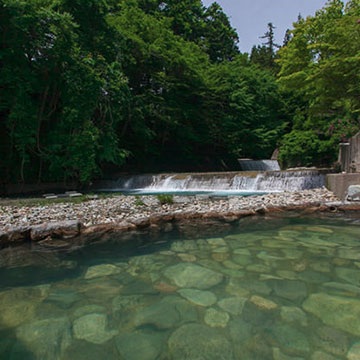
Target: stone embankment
54, 224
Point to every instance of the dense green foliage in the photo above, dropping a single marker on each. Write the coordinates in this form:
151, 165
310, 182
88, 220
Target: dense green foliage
140, 84
92, 86
320, 65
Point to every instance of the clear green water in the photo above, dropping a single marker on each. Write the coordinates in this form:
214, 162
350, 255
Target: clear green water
270, 289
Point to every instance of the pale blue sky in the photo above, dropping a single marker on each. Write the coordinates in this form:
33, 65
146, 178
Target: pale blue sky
250, 17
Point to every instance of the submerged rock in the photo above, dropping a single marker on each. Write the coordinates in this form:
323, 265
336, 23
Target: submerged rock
290, 339
240, 330
293, 314
233, 305
216, 318
63, 298
350, 275
18, 306
339, 312
278, 355
194, 342
187, 275
354, 352
332, 340
171, 311
288, 289
340, 287
198, 297
139, 346
83, 350
46, 339
128, 303
320, 355
88, 309
101, 270
262, 303
92, 328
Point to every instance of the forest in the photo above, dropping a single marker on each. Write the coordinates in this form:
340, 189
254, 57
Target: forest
93, 87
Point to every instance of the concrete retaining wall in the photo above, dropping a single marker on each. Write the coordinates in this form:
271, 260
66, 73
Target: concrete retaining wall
339, 183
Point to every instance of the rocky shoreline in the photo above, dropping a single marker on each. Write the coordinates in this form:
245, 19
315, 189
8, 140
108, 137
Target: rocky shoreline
50, 225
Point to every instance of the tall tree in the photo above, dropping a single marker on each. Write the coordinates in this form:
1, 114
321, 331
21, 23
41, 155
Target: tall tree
320, 64
265, 54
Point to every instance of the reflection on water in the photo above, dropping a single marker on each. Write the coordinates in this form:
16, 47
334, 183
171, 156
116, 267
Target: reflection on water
274, 289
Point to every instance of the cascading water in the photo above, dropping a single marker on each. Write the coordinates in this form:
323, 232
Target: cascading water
232, 183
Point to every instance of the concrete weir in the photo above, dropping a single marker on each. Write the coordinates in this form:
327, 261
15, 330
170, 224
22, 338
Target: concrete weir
245, 181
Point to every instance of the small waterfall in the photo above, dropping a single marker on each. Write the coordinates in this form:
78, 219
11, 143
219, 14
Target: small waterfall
259, 165
272, 181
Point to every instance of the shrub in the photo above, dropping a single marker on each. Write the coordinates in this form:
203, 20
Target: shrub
306, 148
165, 199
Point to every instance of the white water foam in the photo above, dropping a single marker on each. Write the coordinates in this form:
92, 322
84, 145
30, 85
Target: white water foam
276, 181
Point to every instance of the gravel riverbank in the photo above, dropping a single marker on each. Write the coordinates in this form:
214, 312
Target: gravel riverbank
117, 209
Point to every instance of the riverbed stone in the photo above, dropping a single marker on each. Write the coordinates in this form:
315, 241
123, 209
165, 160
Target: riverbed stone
231, 265
260, 268
93, 328
293, 314
183, 246
233, 305
83, 350
265, 256
139, 346
252, 285
292, 254
122, 305
257, 316
195, 341
242, 260
187, 275
240, 330
341, 288
278, 355
63, 298
101, 270
336, 311
233, 273
47, 338
216, 318
220, 257
216, 242
98, 289
290, 339
221, 250
20, 307
198, 297
235, 289
88, 309
321, 266
350, 275
187, 257
348, 253
242, 251
289, 289
321, 355
313, 277
354, 352
262, 303
287, 274
139, 287
171, 311
332, 340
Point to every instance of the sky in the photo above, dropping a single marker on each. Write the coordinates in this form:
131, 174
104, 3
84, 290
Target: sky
250, 17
